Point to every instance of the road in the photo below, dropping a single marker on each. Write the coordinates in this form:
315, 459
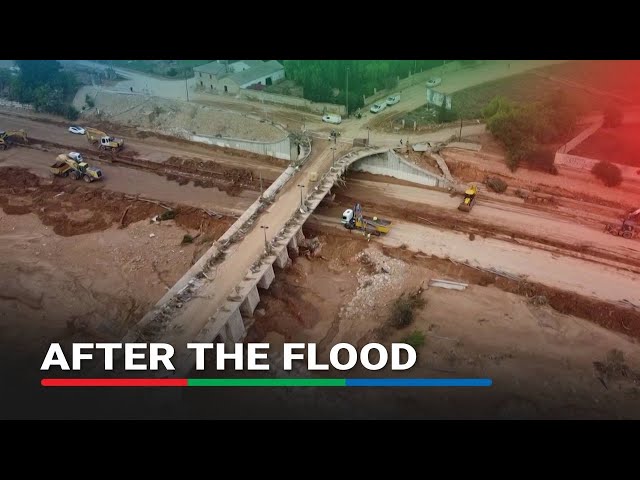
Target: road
573, 228
566, 273
150, 148
136, 182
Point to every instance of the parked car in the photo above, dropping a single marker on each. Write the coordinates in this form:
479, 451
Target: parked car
434, 81
76, 130
332, 119
378, 107
393, 99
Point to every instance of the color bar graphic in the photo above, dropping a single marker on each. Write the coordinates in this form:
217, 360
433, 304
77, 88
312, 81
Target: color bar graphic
266, 382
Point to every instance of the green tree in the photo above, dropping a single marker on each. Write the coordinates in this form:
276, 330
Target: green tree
609, 173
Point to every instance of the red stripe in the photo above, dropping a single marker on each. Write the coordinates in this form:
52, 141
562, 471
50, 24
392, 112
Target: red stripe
113, 382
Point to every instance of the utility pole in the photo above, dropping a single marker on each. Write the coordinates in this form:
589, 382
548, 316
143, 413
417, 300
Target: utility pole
347, 92
301, 201
186, 84
368, 135
460, 136
260, 184
266, 244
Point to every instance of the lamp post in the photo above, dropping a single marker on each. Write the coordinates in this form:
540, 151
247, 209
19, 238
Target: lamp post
301, 202
186, 84
266, 244
333, 152
368, 135
347, 92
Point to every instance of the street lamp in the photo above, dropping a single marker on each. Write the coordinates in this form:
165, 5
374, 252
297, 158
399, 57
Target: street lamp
266, 244
333, 160
368, 135
301, 202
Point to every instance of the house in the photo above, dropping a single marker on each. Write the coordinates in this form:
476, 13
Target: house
224, 77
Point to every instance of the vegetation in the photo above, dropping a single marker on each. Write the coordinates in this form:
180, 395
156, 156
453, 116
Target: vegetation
609, 173
325, 80
522, 128
496, 184
403, 308
612, 117
415, 339
89, 101
44, 85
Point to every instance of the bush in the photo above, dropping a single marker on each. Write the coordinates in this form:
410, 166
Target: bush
167, 215
415, 339
496, 184
187, 239
609, 173
612, 117
445, 115
403, 308
497, 104
543, 159
172, 72
71, 113
89, 101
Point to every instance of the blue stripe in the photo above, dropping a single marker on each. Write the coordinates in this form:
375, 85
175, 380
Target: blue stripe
419, 382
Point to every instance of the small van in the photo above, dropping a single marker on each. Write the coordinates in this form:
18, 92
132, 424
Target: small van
332, 118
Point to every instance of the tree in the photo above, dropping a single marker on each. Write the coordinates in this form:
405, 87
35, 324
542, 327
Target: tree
37, 72
543, 159
609, 173
497, 104
612, 117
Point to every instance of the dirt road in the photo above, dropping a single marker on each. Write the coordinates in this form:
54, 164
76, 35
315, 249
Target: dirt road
575, 229
571, 274
136, 182
150, 148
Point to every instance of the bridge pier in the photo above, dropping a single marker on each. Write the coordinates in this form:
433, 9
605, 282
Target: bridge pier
283, 260
250, 303
234, 328
266, 280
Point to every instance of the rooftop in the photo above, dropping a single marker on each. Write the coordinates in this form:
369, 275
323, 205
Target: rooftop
260, 70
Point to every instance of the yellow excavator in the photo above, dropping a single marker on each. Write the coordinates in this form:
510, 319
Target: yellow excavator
469, 199
8, 138
103, 141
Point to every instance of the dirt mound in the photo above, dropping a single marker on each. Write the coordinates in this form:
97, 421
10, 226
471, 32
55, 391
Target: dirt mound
74, 209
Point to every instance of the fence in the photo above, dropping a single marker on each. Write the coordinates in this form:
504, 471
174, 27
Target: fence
281, 149
298, 102
584, 163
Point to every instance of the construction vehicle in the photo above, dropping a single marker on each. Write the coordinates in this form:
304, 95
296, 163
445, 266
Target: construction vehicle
103, 141
354, 219
73, 165
469, 199
628, 228
6, 138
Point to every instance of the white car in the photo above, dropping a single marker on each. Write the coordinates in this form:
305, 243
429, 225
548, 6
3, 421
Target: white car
378, 107
434, 82
393, 99
337, 119
76, 130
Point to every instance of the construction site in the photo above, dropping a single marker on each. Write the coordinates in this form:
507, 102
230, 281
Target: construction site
231, 220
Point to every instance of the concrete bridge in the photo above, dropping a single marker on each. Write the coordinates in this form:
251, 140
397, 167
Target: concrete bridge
215, 300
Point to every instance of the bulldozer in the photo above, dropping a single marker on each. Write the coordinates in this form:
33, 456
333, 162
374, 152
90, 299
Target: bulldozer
6, 138
469, 199
73, 165
103, 141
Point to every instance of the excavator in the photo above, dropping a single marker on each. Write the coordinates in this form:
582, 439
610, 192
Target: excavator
6, 138
469, 199
103, 141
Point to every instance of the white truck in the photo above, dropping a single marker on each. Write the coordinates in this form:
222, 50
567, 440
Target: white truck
330, 118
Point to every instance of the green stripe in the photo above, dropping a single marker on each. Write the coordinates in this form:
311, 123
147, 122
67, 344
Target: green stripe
266, 382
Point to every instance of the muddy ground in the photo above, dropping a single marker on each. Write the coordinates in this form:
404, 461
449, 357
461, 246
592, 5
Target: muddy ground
561, 366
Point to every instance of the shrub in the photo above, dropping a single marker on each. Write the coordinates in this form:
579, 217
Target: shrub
403, 308
172, 72
609, 173
415, 339
612, 117
187, 239
543, 159
497, 104
71, 112
167, 215
89, 101
496, 184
